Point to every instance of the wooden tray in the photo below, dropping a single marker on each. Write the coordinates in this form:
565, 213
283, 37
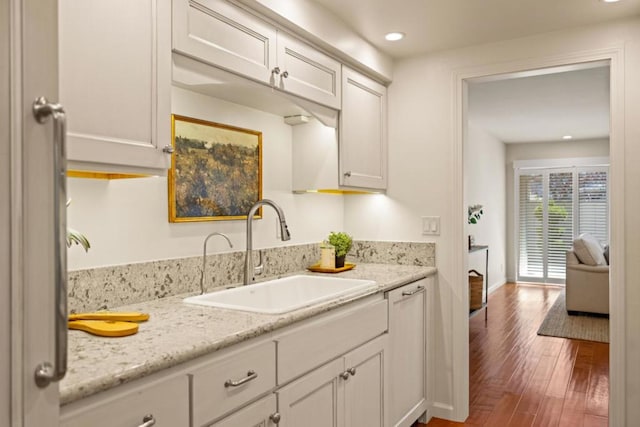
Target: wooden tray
316, 268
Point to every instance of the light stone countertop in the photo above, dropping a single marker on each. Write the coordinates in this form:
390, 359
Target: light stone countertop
178, 332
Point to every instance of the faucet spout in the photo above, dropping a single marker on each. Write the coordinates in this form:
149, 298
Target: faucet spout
204, 256
249, 269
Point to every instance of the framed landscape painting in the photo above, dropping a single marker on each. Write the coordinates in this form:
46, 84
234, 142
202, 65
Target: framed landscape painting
216, 171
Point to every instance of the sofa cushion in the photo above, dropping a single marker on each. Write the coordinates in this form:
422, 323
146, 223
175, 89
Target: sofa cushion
588, 250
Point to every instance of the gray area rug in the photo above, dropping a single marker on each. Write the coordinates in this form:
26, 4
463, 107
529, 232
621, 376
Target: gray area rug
558, 323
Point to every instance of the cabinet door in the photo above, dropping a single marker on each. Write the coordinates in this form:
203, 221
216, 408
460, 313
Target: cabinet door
407, 353
115, 83
262, 413
308, 73
224, 35
363, 132
364, 388
315, 399
166, 402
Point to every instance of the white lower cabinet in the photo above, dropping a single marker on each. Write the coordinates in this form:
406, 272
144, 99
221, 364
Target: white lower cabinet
313, 400
365, 394
363, 365
348, 391
163, 403
407, 353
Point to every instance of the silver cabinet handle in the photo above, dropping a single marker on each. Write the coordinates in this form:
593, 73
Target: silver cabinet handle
285, 74
148, 421
276, 70
168, 149
415, 291
275, 418
46, 372
347, 174
345, 375
352, 371
251, 375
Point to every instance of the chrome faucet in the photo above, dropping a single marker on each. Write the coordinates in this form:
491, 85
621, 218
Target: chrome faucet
249, 269
204, 256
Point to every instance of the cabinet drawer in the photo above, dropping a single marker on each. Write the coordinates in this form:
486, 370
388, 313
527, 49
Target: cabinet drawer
231, 381
319, 341
258, 414
166, 401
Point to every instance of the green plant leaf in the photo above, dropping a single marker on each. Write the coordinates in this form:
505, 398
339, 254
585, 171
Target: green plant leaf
78, 238
341, 241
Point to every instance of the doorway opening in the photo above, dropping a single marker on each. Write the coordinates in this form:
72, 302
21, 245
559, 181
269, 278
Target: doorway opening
540, 186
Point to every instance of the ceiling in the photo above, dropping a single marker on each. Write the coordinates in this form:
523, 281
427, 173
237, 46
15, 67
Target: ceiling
526, 109
432, 25
543, 107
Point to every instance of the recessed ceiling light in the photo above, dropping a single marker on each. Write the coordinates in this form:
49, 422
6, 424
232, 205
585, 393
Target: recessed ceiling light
610, 1
567, 137
395, 36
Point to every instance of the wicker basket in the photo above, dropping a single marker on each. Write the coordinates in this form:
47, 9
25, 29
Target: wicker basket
476, 282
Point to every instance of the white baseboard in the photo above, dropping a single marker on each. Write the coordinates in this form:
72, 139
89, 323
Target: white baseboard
496, 285
442, 410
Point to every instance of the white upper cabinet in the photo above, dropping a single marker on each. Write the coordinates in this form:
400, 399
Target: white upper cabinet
363, 132
227, 36
307, 72
115, 83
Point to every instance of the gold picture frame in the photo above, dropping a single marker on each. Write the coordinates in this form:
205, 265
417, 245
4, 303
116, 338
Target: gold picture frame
216, 171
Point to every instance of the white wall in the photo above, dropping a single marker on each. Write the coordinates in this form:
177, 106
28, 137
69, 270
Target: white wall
127, 220
484, 158
543, 150
422, 178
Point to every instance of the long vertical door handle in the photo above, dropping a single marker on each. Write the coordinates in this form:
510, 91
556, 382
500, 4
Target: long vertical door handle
42, 109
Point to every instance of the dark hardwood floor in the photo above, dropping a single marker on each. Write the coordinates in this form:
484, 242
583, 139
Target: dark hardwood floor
518, 378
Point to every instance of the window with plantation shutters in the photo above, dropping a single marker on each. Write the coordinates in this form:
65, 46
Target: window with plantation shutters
593, 204
559, 222
553, 206
531, 243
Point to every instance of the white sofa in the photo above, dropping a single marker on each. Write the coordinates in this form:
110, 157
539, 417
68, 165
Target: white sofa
587, 286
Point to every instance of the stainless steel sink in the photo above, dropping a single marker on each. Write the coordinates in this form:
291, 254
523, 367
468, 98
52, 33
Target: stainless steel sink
282, 295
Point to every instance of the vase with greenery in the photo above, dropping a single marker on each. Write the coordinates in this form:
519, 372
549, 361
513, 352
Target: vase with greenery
342, 242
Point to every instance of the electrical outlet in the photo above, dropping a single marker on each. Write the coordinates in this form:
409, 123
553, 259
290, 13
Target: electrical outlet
431, 225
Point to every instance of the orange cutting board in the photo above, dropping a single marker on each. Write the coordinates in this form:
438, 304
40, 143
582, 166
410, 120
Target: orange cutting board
133, 316
105, 328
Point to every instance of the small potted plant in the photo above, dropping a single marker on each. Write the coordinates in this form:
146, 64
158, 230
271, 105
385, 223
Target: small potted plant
342, 242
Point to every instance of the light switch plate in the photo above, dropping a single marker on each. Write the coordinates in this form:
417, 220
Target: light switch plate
431, 225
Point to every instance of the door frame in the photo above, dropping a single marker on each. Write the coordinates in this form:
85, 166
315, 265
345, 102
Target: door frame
460, 327
32, 71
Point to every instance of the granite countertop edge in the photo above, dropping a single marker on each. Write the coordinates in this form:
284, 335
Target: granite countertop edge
177, 333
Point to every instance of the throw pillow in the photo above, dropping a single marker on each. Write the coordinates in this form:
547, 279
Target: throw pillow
588, 250
606, 253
